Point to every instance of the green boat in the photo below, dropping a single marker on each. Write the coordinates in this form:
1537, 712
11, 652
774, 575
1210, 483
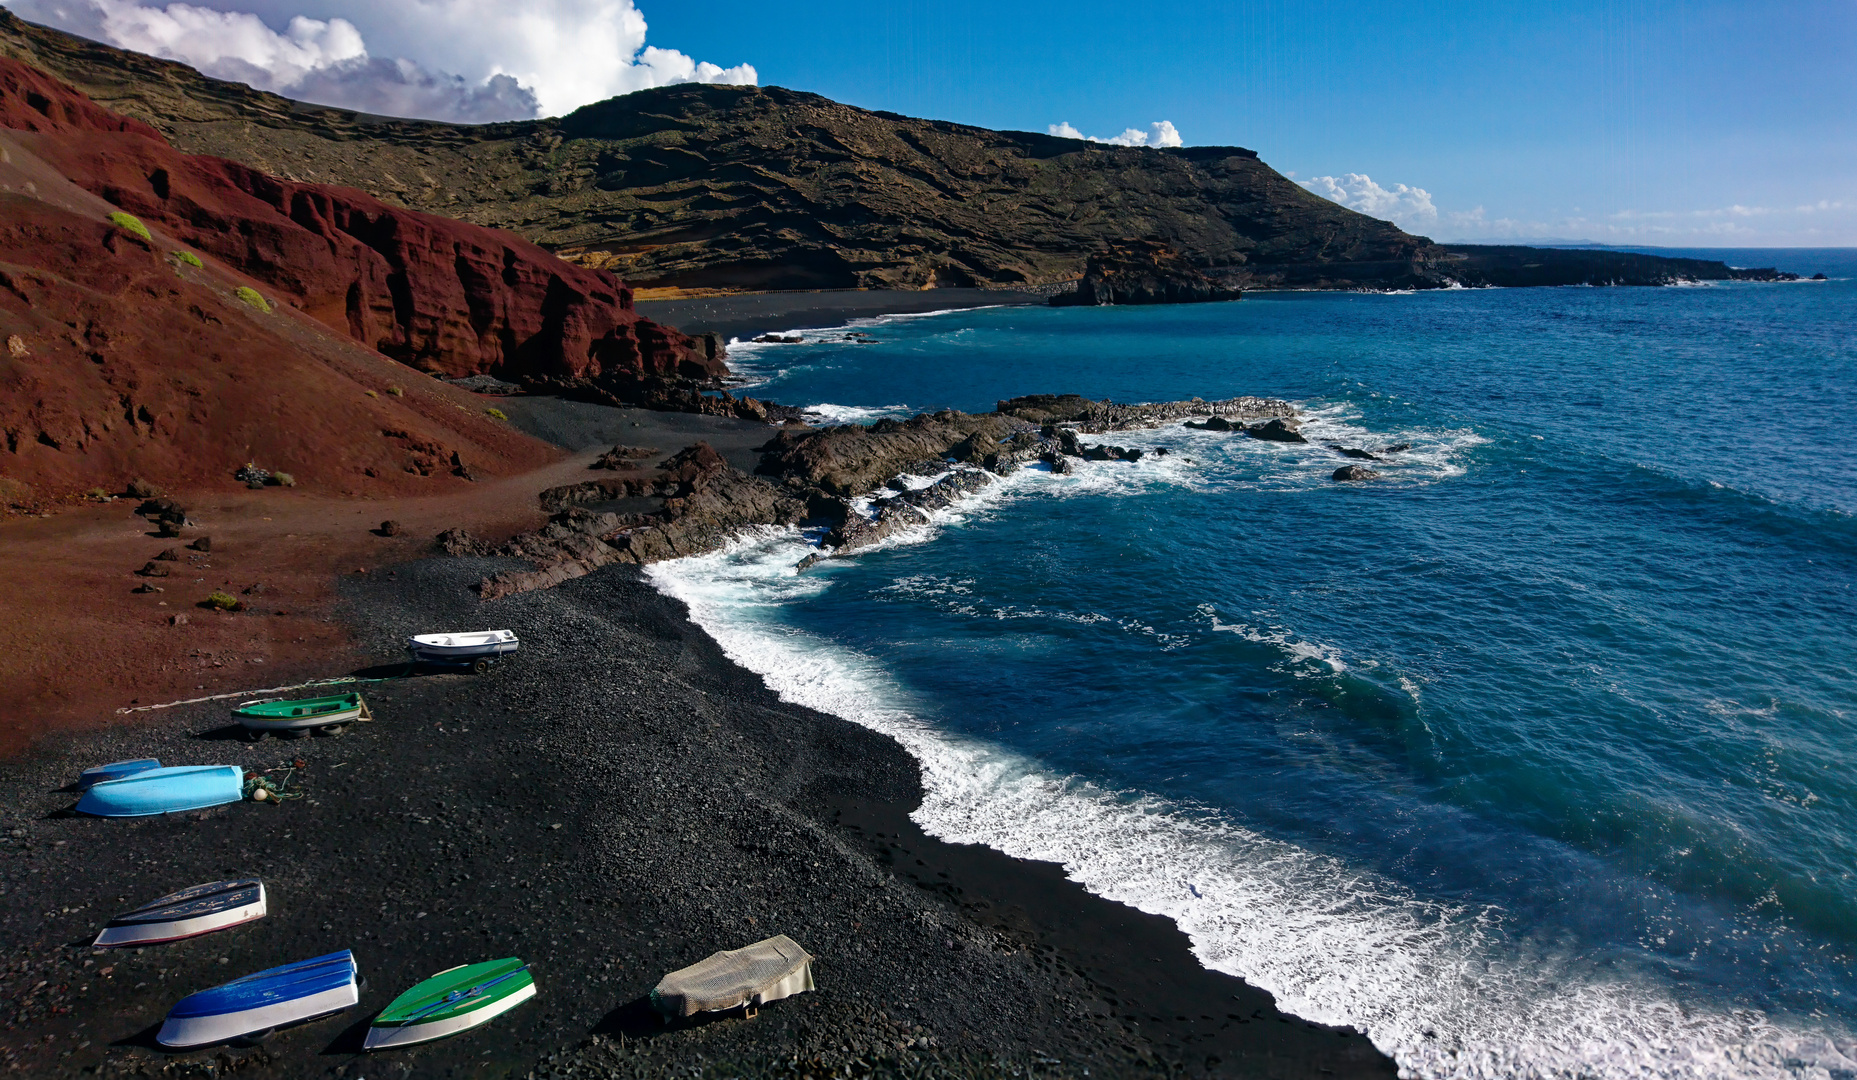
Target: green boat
452, 1001
323, 715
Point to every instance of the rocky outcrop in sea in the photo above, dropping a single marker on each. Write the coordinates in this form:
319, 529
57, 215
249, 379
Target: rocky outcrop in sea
863, 483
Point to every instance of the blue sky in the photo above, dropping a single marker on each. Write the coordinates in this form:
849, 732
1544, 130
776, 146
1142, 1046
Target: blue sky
1628, 121
1603, 120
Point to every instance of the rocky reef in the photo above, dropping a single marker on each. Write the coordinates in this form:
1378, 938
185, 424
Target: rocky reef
863, 483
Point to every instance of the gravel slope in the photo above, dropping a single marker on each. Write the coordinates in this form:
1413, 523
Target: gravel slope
615, 802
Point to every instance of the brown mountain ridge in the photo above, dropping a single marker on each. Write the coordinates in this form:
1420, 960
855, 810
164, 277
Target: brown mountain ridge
750, 188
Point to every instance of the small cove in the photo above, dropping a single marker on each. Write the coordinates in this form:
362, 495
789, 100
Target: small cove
1530, 759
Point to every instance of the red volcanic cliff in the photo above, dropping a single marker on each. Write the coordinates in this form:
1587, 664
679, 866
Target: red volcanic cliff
441, 295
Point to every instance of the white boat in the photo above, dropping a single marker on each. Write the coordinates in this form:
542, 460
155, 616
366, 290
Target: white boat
463, 648
201, 909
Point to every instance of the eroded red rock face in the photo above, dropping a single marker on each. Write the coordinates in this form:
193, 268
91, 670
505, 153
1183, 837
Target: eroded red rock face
441, 295
117, 363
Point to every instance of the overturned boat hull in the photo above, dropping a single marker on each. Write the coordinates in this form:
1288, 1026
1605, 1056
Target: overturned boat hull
259, 1002
115, 770
202, 909
452, 1001
165, 791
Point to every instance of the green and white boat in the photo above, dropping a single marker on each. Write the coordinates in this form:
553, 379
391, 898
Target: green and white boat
452, 1001
323, 715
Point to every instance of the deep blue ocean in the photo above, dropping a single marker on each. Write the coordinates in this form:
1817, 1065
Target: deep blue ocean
1537, 757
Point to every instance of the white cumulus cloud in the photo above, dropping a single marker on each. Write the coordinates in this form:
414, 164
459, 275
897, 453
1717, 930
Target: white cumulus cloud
462, 60
1159, 133
1408, 207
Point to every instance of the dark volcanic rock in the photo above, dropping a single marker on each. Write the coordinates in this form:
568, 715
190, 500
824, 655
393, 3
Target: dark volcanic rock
389, 528
622, 457
848, 459
1354, 452
1143, 272
1098, 416
1355, 472
1509, 266
848, 477
461, 543
1282, 429
203, 543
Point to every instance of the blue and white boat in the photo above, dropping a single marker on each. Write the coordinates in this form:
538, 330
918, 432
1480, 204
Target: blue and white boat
165, 791
115, 770
191, 912
251, 1007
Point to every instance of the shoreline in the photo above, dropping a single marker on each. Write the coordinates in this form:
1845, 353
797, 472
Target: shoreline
744, 315
481, 817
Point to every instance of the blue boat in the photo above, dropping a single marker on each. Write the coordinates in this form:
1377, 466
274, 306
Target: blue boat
115, 770
251, 1007
165, 791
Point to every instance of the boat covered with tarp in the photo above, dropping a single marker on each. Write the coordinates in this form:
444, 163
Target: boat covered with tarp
744, 978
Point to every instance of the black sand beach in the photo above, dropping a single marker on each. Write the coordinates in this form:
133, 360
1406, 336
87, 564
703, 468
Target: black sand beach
751, 314
616, 801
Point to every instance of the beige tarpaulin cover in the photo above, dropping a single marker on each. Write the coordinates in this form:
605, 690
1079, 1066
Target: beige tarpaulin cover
763, 972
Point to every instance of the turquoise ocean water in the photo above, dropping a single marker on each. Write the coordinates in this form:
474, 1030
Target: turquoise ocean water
1536, 758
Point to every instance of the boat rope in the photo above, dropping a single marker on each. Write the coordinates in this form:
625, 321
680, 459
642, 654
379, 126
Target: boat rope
274, 791
270, 690
457, 996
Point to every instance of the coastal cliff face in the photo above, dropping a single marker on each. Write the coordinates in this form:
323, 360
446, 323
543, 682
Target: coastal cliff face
1143, 273
443, 296
760, 187
171, 317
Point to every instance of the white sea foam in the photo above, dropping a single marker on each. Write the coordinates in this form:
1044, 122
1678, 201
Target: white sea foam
1449, 991
1445, 989
856, 414
1299, 656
